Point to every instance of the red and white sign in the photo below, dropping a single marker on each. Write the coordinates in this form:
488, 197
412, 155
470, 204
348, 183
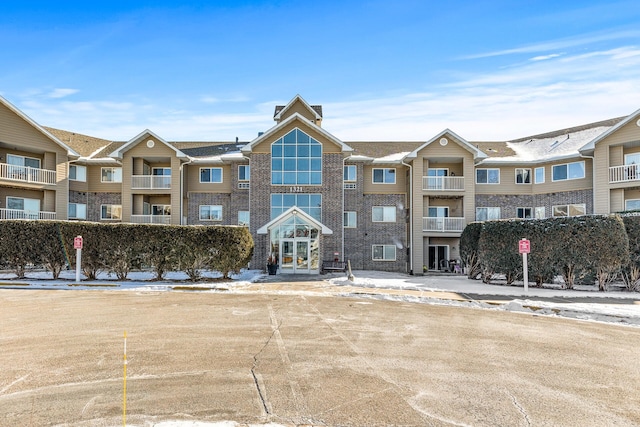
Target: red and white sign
524, 246
77, 242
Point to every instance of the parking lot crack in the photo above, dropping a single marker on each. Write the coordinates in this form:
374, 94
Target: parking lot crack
520, 408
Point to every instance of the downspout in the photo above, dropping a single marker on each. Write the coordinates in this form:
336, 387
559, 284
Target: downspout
410, 203
182, 165
593, 183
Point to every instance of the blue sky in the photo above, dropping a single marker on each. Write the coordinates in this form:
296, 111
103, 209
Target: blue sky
403, 70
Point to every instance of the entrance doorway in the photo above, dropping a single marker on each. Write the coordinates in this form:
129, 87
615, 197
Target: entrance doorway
438, 257
294, 255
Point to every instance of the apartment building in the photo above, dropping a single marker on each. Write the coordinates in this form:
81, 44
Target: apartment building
308, 196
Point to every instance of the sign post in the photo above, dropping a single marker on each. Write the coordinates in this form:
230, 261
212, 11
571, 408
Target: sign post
524, 246
77, 245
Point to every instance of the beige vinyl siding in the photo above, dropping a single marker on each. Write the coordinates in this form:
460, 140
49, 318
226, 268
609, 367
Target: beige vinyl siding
607, 153
94, 178
192, 178
551, 186
300, 108
21, 193
398, 188
617, 200
15, 132
328, 146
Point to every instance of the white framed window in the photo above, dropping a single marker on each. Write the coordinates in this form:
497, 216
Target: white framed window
539, 175
243, 218
540, 212
569, 210
523, 176
350, 173
632, 204
350, 219
161, 171
23, 204
487, 214
161, 210
383, 214
524, 213
487, 176
384, 175
211, 175
78, 173
110, 211
383, 252
244, 172
567, 171
77, 211
111, 175
30, 162
210, 212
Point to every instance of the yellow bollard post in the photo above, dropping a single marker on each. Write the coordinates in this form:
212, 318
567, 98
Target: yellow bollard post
124, 394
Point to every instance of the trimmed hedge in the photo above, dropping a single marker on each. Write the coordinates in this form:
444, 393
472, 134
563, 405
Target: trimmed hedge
574, 247
121, 248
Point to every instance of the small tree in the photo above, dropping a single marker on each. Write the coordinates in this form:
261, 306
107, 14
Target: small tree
469, 249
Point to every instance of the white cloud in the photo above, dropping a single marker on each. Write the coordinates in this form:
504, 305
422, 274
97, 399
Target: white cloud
545, 57
62, 92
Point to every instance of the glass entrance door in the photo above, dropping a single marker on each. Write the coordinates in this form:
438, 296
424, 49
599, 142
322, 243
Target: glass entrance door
295, 256
438, 257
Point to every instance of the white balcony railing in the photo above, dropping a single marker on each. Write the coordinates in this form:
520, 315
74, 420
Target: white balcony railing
443, 224
151, 219
443, 183
624, 173
27, 174
150, 182
22, 214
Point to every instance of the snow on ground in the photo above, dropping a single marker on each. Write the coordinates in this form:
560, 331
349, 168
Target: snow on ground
584, 302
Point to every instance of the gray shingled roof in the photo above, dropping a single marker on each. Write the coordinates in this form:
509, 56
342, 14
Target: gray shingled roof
316, 108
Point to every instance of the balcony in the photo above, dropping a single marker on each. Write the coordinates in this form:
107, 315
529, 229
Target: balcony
150, 182
624, 173
443, 224
22, 214
443, 183
27, 174
151, 219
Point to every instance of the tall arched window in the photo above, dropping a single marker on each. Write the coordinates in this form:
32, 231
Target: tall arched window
296, 159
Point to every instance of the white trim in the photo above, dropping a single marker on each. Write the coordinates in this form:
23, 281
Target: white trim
211, 182
395, 253
486, 169
118, 154
294, 210
477, 154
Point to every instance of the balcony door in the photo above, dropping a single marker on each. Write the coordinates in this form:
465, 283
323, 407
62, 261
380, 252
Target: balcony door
435, 180
438, 257
438, 215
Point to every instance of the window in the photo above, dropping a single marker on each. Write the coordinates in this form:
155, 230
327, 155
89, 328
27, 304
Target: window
244, 173
384, 176
296, 159
160, 209
487, 176
28, 208
523, 176
487, 214
309, 203
350, 172
78, 173
540, 212
569, 210
211, 175
161, 171
539, 175
383, 252
350, 219
524, 213
30, 162
243, 218
568, 171
210, 213
383, 214
111, 212
111, 174
438, 212
77, 211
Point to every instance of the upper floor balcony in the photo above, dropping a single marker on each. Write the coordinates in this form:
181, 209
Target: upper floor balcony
443, 224
151, 182
624, 173
27, 174
443, 183
151, 219
25, 214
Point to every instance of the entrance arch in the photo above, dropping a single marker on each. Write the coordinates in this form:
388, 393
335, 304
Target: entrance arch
294, 240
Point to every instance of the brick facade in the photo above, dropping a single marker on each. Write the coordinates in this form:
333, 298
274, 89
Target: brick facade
508, 203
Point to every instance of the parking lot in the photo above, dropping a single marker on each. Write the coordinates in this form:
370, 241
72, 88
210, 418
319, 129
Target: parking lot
261, 357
